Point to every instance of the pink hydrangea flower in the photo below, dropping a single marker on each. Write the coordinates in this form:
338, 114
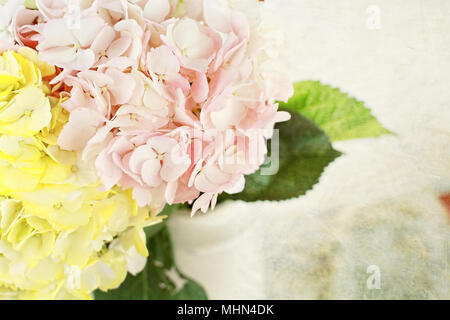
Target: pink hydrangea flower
174, 100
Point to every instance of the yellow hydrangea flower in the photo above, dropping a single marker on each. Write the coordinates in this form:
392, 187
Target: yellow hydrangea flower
60, 236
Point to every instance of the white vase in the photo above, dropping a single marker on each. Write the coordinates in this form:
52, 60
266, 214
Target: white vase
221, 250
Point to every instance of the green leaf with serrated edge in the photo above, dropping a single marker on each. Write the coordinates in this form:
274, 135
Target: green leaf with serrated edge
339, 115
304, 152
160, 279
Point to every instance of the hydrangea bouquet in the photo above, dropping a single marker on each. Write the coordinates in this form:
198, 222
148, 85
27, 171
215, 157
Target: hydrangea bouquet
113, 111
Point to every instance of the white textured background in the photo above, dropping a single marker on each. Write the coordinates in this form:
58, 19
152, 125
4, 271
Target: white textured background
377, 204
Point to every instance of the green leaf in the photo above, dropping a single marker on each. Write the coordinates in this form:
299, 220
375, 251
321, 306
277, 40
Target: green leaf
304, 152
339, 115
160, 279
30, 4
167, 211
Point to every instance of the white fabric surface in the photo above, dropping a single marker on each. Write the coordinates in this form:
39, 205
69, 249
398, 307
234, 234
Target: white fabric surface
377, 204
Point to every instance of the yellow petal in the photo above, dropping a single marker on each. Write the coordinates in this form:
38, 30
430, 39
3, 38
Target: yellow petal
14, 179
55, 172
26, 114
37, 247
9, 212
30, 54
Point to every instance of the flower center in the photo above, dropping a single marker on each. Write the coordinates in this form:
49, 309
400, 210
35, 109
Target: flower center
57, 205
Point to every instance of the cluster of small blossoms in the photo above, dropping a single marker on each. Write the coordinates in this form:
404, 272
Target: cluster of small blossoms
60, 236
110, 109
173, 100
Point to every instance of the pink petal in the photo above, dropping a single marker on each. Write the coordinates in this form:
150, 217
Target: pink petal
185, 194
240, 26
203, 49
81, 127
282, 116
119, 47
88, 30
175, 81
122, 88
222, 80
56, 34
155, 102
202, 203
84, 59
58, 55
98, 78
174, 166
194, 173
142, 196
23, 20
162, 144
109, 173
214, 201
216, 16
129, 27
103, 39
51, 9
203, 184
97, 143
156, 10
120, 63
237, 187
200, 88
171, 190
194, 9
121, 145
161, 60
186, 34
210, 179
230, 115
77, 99
181, 114
139, 156
150, 172
128, 179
